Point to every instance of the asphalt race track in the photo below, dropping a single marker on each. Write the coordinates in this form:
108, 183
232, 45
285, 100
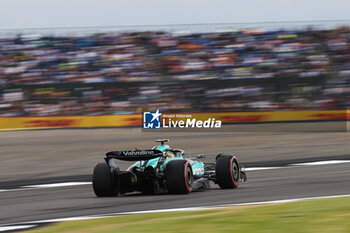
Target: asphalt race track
56, 156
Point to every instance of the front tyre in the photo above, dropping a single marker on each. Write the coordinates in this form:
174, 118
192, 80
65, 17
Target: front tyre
102, 182
179, 177
227, 172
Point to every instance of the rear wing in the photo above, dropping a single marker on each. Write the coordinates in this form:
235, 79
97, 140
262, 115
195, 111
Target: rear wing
134, 155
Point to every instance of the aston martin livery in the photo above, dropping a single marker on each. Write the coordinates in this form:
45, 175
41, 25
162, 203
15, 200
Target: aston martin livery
164, 169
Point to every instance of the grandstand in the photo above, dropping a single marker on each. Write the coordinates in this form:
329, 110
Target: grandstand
122, 70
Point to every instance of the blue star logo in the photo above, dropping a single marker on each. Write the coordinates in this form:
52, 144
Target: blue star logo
151, 120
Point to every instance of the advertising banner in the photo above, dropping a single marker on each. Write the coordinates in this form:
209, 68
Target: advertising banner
11, 123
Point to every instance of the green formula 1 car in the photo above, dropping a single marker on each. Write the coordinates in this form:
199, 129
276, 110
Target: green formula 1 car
163, 169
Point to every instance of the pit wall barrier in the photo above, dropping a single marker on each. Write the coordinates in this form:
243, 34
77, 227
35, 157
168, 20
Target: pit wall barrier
19, 123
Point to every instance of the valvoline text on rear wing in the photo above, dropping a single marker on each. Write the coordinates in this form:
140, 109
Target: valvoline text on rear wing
134, 155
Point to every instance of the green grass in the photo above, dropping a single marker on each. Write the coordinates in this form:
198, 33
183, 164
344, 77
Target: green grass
322, 215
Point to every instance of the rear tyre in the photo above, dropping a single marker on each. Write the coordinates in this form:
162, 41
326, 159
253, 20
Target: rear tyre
227, 172
179, 177
102, 182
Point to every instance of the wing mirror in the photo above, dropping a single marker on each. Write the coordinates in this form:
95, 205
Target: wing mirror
201, 156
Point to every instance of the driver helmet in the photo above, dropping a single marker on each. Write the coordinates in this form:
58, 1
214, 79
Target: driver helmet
170, 154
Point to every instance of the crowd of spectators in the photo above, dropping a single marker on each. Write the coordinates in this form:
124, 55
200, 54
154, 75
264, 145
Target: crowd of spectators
255, 54
126, 72
33, 59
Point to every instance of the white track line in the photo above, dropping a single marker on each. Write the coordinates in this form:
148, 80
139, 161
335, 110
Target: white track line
317, 163
173, 210
321, 163
55, 185
43, 186
12, 228
248, 169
